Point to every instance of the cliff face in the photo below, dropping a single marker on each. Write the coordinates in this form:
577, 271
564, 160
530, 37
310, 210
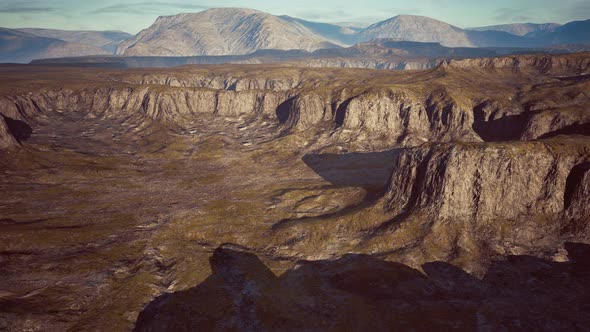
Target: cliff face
222, 82
172, 106
379, 114
573, 64
484, 183
528, 192
379, 63
404, 117
393, 116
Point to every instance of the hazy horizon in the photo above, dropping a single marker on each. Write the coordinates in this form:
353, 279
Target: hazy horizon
133, 16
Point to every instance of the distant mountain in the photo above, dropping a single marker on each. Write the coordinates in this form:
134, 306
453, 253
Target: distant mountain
22, 47
425, 29
236, 31
577, 32
334, 33
382, 53
224, 31
520, 29
416, 28
107, 40
425, 50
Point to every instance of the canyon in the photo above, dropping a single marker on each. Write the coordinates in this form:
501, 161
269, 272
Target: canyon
198, 197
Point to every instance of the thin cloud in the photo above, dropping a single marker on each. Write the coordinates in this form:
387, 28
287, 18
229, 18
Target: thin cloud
147, 7
580, 10
511, 15
322, 14
334, 16
25, 7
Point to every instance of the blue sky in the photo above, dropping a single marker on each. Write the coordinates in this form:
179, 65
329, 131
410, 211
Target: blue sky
132, 16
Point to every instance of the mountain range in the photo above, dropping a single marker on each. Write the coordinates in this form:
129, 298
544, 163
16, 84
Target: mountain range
521, 29
236, 31
19, 46
106, 40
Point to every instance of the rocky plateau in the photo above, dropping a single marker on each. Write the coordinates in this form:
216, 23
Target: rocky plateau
282, 197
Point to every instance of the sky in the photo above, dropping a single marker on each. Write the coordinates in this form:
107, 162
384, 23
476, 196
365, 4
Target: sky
134, 15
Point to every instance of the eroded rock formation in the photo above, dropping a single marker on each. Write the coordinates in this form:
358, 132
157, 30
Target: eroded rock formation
130, 179
495, 189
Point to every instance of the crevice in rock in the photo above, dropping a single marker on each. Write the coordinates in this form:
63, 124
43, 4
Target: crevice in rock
19, 129
574, 129
572, 182
341, 112
507, 128
285, 111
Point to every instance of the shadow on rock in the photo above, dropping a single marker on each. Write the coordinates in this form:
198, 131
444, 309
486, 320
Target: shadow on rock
508, 128
367, 170
362, 293
574, 129
20, 130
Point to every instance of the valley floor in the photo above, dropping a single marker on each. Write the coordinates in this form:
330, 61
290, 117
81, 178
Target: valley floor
97, 219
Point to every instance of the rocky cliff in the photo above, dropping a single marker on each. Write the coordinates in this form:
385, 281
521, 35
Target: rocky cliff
390, 115
387, 109
576, 64
491, 190
175, 107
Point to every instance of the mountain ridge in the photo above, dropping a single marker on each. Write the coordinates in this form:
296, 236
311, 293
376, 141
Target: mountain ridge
220, 31
18, 46
107, 40
247, 30
520, 29
426, 29
241, 31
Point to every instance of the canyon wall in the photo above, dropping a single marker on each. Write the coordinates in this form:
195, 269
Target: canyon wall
464, 156
381, 116
487, 182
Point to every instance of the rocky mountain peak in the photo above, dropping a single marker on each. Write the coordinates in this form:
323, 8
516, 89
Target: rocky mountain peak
417, 28
220, 31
